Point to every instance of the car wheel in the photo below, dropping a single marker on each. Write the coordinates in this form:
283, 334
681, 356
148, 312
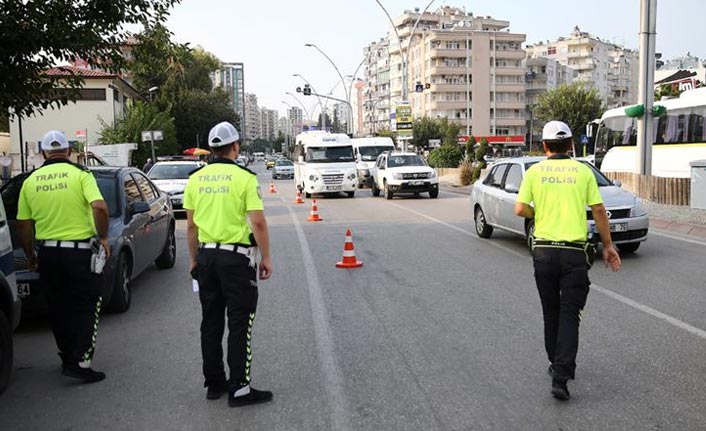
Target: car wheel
122, 296
167, 259
630, 247
483, 229
307, 195
350, 194
388, 193
529, 230
6, 351
375, 190
434, 193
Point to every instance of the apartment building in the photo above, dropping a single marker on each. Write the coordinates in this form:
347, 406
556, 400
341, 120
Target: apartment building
543, 74
231, 78
609, 67
469, 68
268, 124
252, 118
376, 101
295, 117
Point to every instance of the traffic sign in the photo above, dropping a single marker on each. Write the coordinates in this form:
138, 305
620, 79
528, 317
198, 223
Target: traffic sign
584, 139
81, 134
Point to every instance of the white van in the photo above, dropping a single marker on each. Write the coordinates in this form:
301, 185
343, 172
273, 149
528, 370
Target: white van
325, 164
366, 151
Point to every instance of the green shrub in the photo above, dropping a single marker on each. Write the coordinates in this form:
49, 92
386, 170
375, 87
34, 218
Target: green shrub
446, 156
476, 173
466, 173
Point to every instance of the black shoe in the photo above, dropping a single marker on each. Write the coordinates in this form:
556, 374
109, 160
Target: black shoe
215, 392
559, 390
86, 374
253, 397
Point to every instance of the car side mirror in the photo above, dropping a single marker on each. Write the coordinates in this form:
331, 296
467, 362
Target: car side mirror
512, 188
617, 183
140, 207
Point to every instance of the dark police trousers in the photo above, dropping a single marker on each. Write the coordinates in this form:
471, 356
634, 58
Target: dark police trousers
562, 281
227, 287
73, 293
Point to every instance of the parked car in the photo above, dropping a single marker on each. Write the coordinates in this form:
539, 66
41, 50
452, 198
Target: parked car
10, 304
141, 231
171, 177
283, 169
399, 172
493, 202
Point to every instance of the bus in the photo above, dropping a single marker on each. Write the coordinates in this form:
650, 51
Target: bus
325, 164
679, 137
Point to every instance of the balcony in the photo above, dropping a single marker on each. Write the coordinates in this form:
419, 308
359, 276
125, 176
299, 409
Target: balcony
445, 88
514, 71
447, 70
446, 105
510, 88
508, 122
510, 54
448, 53
511, 105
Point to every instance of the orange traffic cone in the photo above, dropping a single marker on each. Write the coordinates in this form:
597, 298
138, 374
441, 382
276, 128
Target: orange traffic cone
349, 259
272, 187
314, 216
298, 200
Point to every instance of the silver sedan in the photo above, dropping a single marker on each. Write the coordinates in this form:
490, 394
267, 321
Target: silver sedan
493, 202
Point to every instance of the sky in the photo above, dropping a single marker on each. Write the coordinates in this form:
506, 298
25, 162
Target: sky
268, 36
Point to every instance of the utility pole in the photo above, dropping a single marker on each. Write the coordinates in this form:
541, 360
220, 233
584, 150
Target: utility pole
645, 124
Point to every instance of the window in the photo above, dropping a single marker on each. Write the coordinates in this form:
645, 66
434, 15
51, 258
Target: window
551, 50
132, 193
145, 187
495, 177
91, 94
514, 178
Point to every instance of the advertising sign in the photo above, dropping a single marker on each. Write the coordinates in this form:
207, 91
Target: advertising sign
403, 115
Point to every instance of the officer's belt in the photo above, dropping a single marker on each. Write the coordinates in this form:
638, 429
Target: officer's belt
85, 245
559, 244
245, 251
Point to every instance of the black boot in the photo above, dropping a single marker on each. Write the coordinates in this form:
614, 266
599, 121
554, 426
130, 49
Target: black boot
247, 395
88, 375
559, 390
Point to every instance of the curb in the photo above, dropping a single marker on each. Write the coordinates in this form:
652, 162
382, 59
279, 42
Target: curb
686, 229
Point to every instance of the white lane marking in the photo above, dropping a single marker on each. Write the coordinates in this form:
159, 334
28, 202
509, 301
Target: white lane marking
678, 238
618, 297
651, 311
332, 381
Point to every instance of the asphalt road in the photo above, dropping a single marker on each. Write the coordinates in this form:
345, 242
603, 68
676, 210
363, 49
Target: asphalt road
439, 330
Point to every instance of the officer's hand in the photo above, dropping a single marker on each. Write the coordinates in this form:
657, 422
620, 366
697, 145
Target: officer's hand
192, 266
265, 269
611, 258
32, 262
106, 247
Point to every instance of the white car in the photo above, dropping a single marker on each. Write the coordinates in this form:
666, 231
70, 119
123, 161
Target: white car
171, 177
398, 172
493, 204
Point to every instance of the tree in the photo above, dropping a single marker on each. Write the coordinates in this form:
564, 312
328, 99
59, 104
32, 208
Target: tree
278, 144
142, 116
446, 156
196, 112
481, 152
574, 104
449, 131
424, 129
470, 145
36, 35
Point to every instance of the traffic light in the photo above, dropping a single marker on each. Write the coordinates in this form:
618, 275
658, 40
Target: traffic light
427, 86
307, 90
418, 88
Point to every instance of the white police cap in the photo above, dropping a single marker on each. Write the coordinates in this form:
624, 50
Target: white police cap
54, 140
555, 130
222, 134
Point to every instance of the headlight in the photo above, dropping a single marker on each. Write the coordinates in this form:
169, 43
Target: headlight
433, 174
365, 172
638, 210
351, 176
397, 176
313, 178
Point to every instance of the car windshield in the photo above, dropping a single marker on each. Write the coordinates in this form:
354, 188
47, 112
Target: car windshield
329, 154
107, 187
601, 179
407, 160
371, 153
284, 163
171, 172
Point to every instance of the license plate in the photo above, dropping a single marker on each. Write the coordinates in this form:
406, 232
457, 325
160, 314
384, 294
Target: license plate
619, 227
176, 201
23, 290
416, 183
334, 188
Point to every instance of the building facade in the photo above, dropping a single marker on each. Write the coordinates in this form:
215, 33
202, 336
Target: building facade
231, 78
608, 67
268, 124
295, 116
542, 74
252, 118
376, 105
466, 68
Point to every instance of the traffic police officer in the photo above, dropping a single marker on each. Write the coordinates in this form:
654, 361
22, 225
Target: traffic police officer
218, 200
561, 188
68, 210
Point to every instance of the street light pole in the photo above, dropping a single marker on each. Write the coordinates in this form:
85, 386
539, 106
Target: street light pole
306, 111
345, 90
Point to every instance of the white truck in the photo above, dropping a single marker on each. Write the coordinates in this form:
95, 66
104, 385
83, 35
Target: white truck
325, 164
366, 151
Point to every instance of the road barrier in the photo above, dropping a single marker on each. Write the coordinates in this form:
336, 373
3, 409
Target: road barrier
273, 189
298, 200
314, 215
349, 259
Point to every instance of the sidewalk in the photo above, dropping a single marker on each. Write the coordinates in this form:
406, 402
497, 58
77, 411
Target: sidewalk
683, 221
